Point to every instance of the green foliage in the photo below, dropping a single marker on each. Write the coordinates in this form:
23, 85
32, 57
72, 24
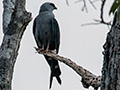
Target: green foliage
114, 6
118, 13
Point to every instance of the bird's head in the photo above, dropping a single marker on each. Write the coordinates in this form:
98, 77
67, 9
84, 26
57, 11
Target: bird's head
47, 7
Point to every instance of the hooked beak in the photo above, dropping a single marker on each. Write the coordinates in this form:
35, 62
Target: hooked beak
55, 8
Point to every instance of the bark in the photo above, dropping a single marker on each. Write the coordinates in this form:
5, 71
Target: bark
111, 64
15, 20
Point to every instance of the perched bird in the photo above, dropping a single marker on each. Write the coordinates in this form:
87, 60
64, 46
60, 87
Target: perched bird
47, 36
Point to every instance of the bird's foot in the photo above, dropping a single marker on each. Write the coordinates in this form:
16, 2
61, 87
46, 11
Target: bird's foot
36, 48
39, 49
46, 51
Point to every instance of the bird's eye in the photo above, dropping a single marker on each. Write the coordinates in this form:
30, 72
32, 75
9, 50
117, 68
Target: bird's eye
52, 4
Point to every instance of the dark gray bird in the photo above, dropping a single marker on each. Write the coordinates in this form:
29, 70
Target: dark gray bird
47, 36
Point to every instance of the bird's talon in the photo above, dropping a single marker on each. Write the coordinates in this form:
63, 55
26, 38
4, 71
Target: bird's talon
39, 50
36, 48
46, 51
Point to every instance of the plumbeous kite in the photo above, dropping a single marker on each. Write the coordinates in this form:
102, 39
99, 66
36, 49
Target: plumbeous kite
47, 36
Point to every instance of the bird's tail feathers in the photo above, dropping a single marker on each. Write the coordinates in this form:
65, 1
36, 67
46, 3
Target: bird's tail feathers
58, 79
51, 79
55, 70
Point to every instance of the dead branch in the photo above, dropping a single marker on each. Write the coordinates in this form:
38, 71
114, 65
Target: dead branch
85, 5
102, 13
102, 8
88, 79
101, 21
92, 4
67, 2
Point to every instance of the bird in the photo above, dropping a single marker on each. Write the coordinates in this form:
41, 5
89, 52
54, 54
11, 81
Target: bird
47, 36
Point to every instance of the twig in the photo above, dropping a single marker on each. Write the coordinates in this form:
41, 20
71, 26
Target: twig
84, 6
90, 24
78, 1
102, 7
88, 79
101, 21
92, 4
98, 22
67, 2
95, 1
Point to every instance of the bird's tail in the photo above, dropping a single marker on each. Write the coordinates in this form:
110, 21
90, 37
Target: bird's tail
55, 70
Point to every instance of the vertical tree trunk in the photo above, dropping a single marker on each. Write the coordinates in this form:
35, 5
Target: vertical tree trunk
111, 63
15, 20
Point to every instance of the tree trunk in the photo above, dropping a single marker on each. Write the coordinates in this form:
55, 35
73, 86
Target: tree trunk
15, 20
111, 64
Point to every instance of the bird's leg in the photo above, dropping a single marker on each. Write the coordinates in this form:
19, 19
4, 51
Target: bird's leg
47, 49
40, 49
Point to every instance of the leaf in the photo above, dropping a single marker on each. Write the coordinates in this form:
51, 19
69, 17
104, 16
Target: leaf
118, 13
114, 6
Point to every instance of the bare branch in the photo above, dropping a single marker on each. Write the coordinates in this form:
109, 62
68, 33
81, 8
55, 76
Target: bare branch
90, 24
67, 2
92, 4
101, 21
95, 1
88, 79
78, 1
84, 6
102, 7
98, 22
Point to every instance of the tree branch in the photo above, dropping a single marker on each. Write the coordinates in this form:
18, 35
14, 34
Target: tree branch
92, 4
102, 8
85, 5
101, 21
88, 79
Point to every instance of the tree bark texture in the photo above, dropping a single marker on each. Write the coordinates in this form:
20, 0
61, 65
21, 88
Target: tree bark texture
15, 20
111, 64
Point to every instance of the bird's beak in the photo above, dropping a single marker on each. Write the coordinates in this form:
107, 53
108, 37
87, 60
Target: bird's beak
55, 7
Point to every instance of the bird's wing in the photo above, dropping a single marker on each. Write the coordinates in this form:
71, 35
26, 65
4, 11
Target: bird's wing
36, 35
34, 27
56, 33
